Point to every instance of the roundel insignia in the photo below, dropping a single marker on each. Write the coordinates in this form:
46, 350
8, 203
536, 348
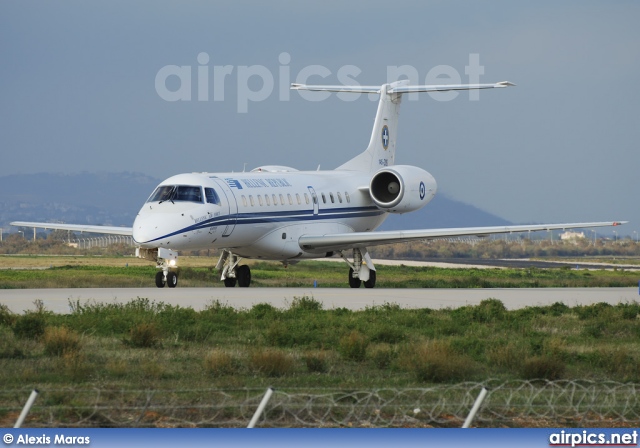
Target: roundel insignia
385, 137
423, 190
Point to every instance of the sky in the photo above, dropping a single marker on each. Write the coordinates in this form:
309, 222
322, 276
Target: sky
161, 88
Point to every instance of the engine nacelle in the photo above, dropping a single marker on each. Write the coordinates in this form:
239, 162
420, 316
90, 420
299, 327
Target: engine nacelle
402, 188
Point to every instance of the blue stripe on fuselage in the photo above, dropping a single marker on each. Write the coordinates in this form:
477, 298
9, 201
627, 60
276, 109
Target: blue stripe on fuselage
279, 216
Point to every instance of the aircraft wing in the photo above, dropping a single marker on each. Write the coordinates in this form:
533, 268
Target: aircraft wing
341, 241
109, 230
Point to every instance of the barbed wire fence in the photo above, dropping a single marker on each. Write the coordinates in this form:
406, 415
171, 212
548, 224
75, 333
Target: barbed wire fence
508, 403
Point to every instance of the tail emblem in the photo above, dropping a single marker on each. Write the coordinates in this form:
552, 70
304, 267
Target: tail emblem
385, 137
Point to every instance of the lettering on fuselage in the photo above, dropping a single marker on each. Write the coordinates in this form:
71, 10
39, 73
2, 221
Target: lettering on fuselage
258, 183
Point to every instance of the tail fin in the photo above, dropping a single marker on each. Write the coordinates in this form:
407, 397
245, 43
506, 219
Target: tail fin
382, 145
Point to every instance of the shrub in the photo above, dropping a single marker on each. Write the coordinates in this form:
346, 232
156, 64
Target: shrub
389, 334
435, 361
59, 341
219, 362
30, 325
305, 303
508, 357
316, 361
543, 367
271, 362
489, 310
143, 335
262, 310
353, 346
6, 316
8, 345
382, 355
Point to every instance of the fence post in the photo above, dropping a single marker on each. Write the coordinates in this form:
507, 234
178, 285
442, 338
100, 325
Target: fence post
474, 409
27, 407
261, 407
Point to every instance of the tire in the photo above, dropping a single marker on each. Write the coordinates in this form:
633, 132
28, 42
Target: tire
160, 279
353, 282
243, 274
372, 280
172, 279
230, 282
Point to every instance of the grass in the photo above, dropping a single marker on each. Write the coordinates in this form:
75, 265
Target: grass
48, 272
142, 344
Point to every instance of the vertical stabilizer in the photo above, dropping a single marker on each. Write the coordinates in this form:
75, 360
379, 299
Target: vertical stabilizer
382, 145
381, 151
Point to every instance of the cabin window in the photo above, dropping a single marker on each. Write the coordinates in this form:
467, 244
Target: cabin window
244, 200
324, 198
315, 198
306, 198
281, 199
275, 199
212, 196
266, 199
251, 200
298, 199
331, 197
339, 197
260, 200
290, 199
346, 195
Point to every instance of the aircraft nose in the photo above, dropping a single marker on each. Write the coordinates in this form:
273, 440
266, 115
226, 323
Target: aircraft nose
143, 230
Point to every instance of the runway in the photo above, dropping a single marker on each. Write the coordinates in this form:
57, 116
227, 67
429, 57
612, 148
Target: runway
57, 300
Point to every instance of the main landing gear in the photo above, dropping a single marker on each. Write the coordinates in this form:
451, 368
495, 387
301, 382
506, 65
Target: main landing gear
233, 274
361, 269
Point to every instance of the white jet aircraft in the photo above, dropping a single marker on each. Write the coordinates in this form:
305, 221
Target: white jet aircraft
280, 213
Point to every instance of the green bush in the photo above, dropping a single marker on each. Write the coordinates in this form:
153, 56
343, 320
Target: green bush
489, 310
30, 325
382, 355
9, 347
353, 346
6, 316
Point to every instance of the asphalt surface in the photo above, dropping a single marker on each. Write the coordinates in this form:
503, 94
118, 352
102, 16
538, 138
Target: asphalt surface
57, 300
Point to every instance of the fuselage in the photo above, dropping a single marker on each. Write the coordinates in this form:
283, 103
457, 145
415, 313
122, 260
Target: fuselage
259, 214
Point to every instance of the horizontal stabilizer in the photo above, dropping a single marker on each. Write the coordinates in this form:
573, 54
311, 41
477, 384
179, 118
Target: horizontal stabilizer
401, 87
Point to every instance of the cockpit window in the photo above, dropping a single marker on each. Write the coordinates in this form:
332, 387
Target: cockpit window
173, 193
212, 196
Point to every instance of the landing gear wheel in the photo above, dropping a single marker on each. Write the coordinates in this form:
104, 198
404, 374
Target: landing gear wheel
160, 279
372, 280
172, 279
230, 282
243, 274
353, 282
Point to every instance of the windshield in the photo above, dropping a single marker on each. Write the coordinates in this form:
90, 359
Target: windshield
173, 193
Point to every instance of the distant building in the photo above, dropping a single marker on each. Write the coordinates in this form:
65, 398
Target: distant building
571, 236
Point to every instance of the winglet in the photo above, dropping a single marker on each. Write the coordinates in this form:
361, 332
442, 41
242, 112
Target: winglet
505, 84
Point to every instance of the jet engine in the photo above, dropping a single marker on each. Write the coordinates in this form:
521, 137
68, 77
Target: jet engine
402, 188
